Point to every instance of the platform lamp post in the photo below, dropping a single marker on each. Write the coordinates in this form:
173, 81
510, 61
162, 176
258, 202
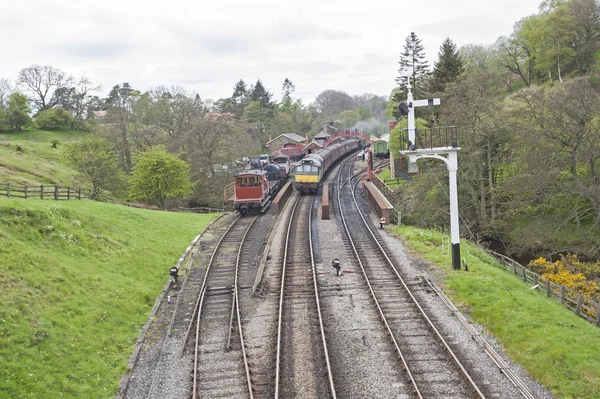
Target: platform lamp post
451, 161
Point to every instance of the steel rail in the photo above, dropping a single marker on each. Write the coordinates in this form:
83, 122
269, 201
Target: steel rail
381, 314
316, 292
285, 254
504, 368
198, 305
322, 328
237, 308
429, 322
234, 305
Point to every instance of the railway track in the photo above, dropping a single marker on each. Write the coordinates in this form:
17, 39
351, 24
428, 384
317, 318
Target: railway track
221, 367
303, 368
431, 367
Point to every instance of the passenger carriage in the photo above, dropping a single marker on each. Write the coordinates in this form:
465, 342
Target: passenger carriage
311, 169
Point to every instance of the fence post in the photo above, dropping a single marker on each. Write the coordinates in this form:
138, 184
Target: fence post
25, 191
578, 307
7, 190
514, 268
548, 288
89, 193
524, 274
56, 192
535, 281
562, 294
598, 315
68, 193
42, 191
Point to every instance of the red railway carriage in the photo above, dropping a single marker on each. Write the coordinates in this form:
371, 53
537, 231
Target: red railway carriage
255, 188
251, 190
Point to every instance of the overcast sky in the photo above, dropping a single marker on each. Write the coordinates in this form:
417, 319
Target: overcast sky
206, 46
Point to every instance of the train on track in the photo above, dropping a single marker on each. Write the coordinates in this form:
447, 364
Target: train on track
256, 188
310, 170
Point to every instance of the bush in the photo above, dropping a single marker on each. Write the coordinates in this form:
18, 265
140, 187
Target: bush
55, 118
570, 272
54, 142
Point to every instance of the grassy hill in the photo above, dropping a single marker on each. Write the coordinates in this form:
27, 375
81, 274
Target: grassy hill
557, 348
77, 282
27, 158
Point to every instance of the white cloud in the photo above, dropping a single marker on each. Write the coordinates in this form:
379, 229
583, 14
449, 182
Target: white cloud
207, 46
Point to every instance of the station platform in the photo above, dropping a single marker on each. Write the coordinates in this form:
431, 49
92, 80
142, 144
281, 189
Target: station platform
381, 204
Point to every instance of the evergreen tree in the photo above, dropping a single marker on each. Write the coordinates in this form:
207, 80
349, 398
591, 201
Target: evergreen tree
287, 88
447, 68
240, 90
412, 63
259, 93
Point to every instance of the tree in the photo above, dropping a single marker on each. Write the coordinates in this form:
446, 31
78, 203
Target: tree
159, 175
40, 82
94, 159
55, 118
17, 112
349, 119
549, 36
287, 90
331, 102
447, 68
586, 41
119, 117
514, 53
5, 90
260, 94
373, 106
412, 64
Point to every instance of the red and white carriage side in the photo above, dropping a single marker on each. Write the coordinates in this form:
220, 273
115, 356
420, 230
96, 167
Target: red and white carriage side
251, 190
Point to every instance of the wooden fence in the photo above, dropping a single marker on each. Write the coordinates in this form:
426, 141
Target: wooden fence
201, 209
582, 306
44, 192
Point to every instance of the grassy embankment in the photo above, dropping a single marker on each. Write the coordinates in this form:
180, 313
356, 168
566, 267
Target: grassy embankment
32, 163
557, 348
385, 175
77, 282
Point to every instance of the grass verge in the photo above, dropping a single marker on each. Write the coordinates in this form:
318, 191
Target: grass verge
77, 282
557, 348
385, 175
32, 164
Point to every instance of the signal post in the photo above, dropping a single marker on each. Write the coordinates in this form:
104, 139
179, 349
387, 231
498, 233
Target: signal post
448, 154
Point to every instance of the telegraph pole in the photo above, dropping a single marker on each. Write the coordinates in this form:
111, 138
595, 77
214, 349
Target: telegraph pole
449, 155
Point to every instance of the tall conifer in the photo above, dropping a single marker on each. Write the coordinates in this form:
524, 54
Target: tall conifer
413, 64
447, 68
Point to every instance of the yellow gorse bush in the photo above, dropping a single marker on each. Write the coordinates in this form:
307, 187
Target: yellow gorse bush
569, 271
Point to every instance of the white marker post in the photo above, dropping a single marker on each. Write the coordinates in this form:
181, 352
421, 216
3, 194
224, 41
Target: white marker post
451, 161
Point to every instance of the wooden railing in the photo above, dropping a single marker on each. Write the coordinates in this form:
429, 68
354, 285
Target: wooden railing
582, 306
44, 192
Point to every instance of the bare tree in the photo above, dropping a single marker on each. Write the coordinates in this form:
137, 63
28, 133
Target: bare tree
5, 90
38, 83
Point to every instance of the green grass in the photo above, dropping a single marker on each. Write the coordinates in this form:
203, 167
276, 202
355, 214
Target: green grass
557, 348
386, 174
78, 280
36, 163
39, 135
